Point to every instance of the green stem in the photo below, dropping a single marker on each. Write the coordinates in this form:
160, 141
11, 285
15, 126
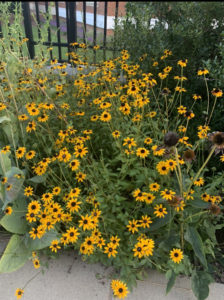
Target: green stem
179, 171
202, 167
212, 110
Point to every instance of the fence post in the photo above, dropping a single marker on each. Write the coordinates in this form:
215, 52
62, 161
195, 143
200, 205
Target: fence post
72, 31
28, 28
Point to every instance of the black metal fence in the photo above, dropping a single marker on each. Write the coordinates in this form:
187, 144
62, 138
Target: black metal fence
71, 24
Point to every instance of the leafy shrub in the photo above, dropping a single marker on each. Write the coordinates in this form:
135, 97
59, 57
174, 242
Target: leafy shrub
193, 30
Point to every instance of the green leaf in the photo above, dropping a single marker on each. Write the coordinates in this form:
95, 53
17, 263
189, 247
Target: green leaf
4, 119
15, 255
10, 128
193, 237
44, 242
38, 179
5, 163
161, 222
16, 222
199, 203
16, 183
171, 277
200, 284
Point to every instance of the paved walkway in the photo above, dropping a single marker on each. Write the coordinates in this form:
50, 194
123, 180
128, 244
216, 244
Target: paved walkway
69, 278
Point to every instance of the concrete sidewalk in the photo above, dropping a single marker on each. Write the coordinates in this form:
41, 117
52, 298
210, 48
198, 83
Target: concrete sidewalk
69, 278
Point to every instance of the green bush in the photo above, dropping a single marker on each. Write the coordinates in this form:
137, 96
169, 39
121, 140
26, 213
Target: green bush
191, 34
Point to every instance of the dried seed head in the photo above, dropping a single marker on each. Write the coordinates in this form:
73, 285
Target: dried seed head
189, 155
171, 139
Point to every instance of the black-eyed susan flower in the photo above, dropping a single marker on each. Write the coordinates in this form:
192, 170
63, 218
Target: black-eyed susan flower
203, 72
74, 164
43, 118
23, 117
199, 182
167, 194
148, 198
72, 234
64, 155
171, 164
189, 195
80, 151
86, 222
55, 246
189, 114
2, 106
8, 187
19, 293
217, 92
119, 288
34, 206
138, 195
74, 193
31, 154
105, 116
36, 263
116, 134
28, 191
158, 150
142, 152
5, 149
160, 211
80, 177
31, 126
110, 250
73, 205
8, 210
154, 187
33, 111
163, 168
145, 221
56, 190
20, 152
205, 197
31, 217
182, 109
46, 197
138, 250
133, 226
130, 142
176, 255
115, 240
37, 232
100, 242
4, 180
147, 141
182, 63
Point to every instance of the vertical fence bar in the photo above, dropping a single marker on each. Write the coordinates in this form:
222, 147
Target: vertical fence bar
115, 22
105, 30
84, 22
38, 19
68, 28
1, 34
28, 28
58, 30
94, 31
49, 29
72, 21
